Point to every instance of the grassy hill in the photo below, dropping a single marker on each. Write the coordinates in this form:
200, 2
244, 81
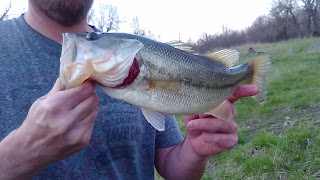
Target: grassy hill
279, 139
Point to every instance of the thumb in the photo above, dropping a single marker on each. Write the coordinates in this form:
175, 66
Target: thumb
192, 132
55, 88
188, 118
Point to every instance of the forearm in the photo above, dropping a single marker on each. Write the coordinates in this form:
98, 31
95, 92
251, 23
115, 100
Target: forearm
183, 163
15, 160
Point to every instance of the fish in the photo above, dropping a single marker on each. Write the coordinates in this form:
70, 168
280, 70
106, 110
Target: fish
160, 78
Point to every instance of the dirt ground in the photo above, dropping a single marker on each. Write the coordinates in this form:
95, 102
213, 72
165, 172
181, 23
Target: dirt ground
284, 118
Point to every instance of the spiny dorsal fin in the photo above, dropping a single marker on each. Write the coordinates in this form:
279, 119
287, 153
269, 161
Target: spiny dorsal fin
227, 57
179, 45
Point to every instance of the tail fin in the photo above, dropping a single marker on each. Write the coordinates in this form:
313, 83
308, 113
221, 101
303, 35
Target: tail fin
260, 67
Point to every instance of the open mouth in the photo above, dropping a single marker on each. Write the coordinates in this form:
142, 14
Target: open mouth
111, 62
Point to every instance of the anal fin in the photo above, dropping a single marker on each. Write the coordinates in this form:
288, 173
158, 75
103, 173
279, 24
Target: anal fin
156, 119
223, 111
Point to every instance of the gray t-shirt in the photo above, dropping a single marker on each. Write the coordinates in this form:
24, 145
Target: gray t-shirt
123, 143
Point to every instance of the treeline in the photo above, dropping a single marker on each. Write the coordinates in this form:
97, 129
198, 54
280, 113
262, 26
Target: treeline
287, 19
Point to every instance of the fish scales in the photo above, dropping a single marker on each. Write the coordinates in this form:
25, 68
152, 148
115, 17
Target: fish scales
180, 62
169, 80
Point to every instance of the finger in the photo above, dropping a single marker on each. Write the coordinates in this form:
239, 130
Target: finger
243, 91
221, 140
86, 107
213, 125
55, 88
194, 132
191, 117
84, 141
188, 118
205, 116
87, 136
75, 135
191, 132
88, 120
73, 97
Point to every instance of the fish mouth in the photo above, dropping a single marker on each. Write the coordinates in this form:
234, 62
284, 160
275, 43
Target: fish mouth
111, 62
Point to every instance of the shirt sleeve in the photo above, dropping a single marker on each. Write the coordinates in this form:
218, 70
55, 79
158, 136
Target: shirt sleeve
171, 135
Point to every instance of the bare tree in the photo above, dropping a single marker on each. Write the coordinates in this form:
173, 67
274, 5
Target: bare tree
90, 16
285, 17
4, 15
311, 8
225, 35
135, 25
108, 19
138, 30
290, 8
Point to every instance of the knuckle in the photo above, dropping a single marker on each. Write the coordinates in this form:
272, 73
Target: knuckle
83, 144
85, 140
235, 127
72, 140
52, 107
93, 115
87, 88
235, 113
95, 99
235, 140
63, 128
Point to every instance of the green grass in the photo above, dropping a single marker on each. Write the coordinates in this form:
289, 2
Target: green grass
279, 139
293, 87
293, 81
292, 155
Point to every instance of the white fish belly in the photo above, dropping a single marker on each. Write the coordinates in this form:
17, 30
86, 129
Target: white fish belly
190, 100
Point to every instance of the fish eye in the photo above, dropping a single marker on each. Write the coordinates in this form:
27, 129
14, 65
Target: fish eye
91, 36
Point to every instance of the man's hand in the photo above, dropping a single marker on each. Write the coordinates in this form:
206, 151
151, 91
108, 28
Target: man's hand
209, 135
57, 125
206, 136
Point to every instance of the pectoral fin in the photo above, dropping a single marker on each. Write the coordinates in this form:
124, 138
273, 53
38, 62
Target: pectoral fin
157, 120
223, 111
167, 86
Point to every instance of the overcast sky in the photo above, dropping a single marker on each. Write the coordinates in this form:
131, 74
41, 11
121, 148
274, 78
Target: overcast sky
189, 18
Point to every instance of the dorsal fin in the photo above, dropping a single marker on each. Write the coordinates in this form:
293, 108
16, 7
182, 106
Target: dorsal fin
227, 57
182, 47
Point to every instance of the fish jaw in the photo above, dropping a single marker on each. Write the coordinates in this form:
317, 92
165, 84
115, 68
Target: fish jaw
105, 60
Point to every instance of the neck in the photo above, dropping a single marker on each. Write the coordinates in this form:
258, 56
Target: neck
50, 28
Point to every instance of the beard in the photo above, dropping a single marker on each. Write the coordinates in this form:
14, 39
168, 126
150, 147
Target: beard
64, 12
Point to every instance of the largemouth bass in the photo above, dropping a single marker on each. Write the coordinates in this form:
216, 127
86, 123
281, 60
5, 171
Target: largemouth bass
158, 77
